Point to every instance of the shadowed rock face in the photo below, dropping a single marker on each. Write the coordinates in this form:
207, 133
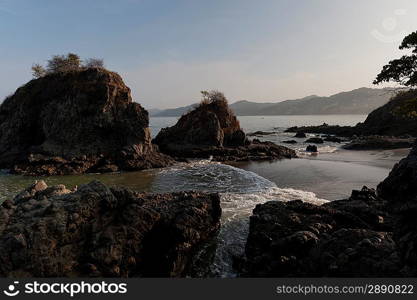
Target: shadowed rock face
212, 129
75, 122
400, 188
343, 239
369, 234
101, 231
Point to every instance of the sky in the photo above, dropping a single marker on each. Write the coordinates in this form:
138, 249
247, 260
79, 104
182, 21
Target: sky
167, 51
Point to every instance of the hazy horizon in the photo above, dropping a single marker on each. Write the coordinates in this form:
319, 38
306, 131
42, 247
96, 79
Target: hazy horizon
167, 51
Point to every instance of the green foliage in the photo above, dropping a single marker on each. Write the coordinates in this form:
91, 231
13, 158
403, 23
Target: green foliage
403, 70
407, 109
65, 63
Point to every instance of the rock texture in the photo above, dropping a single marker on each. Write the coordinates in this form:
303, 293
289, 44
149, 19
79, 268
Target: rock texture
400, 189
75, 122
348, 238
371, 234
100, 231
212, 130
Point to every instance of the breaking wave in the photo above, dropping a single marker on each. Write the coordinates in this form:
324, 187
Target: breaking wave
240, 192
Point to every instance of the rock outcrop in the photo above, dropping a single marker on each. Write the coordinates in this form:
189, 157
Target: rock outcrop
212, 130
100, 231
371, 234
400, 188
75, 122
396, 118
350, 238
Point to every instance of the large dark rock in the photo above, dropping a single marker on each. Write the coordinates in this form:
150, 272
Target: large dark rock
397, 117
75, 122
400, 188
212, 130
101, 231
349, 238
312, 148
369, 234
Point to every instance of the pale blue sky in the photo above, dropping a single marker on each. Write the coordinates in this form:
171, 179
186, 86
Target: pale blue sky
168, 50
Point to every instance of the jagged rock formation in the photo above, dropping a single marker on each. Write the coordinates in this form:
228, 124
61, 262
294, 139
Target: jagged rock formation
368, 235
400, 189
75, 122
212, 129
101, 231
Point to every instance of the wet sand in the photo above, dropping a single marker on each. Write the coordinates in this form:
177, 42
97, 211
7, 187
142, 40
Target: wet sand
330, 176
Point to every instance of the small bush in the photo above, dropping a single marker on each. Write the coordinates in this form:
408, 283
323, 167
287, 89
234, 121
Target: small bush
94, 63
65, 63
38, 71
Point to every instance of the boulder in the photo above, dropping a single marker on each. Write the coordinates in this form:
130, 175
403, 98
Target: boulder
290, 142
300, 135
75, 122
311, 148
212, 130
106, 232
297, 239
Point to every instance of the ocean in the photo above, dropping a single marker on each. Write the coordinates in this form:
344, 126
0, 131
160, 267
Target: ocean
328, 176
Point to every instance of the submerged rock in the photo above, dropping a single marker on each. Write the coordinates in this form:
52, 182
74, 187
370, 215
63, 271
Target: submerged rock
315, 140
332, 139
212, 130
75, 122
300, 135
260, 133
290, 142
100, 231
379, 142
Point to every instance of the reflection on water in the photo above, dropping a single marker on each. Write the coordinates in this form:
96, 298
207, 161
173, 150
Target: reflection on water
138, 181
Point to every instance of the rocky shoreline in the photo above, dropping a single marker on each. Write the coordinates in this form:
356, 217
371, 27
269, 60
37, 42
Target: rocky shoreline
96, 231
98, 128
391, 126
211, 130
371, 234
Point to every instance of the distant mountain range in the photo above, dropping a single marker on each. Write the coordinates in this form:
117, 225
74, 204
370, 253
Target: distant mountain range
358, 101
